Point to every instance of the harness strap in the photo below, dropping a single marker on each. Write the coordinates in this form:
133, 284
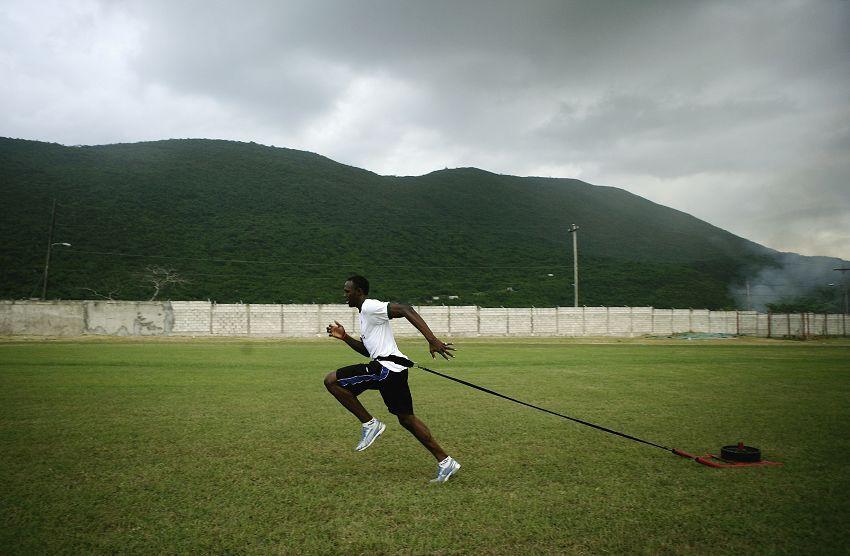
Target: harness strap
398, 360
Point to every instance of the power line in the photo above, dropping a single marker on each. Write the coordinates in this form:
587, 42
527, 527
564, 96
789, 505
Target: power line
300, 263
346, 267
406, 264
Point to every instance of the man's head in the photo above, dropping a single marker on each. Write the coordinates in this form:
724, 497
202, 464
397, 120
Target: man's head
356, 289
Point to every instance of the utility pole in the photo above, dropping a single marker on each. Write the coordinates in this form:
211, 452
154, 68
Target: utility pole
749, 303
49, 245
574, 231
843, 285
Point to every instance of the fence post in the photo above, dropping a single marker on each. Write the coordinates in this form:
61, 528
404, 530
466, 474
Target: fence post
583, 321
557, 321
318, 328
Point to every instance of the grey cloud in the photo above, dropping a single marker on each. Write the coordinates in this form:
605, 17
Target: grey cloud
296, 58
670, 127
696, 103
454, 50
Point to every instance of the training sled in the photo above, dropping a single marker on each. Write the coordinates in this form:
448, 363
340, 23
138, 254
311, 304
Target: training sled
736, 455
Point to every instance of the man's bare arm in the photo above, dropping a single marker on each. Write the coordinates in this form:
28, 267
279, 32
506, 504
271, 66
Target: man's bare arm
396, 310
336, 330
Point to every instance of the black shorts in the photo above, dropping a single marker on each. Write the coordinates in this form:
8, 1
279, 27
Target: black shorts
374, 376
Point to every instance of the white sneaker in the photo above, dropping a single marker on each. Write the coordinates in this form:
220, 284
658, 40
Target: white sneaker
369, 434
446, 471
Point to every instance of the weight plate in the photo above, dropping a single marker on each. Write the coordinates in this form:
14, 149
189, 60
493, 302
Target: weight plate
739, 452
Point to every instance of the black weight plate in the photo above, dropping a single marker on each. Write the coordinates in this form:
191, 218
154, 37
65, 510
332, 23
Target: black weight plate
740, 453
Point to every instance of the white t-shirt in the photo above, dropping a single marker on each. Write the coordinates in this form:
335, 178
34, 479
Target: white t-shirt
377, 334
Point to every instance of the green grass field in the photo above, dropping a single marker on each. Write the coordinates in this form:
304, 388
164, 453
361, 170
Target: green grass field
177, 446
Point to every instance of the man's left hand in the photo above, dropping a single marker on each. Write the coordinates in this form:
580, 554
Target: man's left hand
436, 346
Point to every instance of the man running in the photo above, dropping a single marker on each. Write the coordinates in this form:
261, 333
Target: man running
386, 372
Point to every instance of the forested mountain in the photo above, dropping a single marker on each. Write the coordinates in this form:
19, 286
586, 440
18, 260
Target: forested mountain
245, 222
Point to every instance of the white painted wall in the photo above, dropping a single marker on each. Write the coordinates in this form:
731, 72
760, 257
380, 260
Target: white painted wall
203, 318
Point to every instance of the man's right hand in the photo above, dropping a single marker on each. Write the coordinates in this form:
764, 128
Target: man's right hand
336, 330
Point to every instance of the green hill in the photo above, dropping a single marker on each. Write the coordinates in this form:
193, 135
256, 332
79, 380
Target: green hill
245, 222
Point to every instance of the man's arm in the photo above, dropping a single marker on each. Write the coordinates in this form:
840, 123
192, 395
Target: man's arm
336, 330
396, 310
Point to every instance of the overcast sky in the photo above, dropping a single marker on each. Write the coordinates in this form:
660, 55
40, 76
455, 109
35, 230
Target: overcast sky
737, 112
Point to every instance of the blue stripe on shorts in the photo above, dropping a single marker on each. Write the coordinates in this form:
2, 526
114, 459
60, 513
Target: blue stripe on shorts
359, 379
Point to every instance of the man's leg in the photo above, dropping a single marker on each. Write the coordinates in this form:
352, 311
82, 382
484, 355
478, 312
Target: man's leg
372, 428
446, 466
348, 400
420, 431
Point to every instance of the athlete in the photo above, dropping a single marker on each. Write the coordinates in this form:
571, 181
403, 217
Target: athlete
386, 372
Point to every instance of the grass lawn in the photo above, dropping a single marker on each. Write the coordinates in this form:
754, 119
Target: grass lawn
230, 446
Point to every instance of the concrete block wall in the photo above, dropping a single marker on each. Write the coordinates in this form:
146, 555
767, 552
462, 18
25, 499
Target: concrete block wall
128, 318
762, 325
301, 321
77, 318
596, 321
571, 321
37, 318
682, 321
643, 321
619, 321
815, 324
203, 318
748, 323
192, 317
519, 322
463, 321
786, 325
700, 321
544, 321
265, 319
229, 319
723, 322
837, 325
494, 321
662, 321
